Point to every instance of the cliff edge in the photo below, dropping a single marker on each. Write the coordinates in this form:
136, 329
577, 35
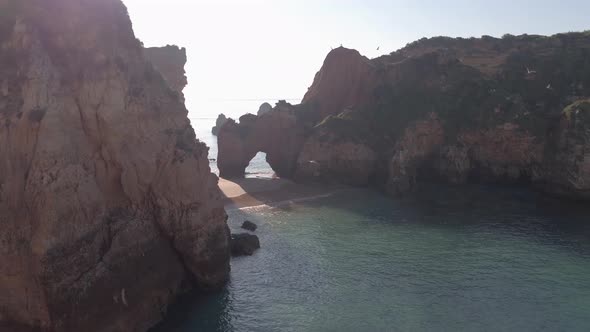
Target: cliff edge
108, 208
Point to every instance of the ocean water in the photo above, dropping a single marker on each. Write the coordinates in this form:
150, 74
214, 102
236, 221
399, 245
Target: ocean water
467, 258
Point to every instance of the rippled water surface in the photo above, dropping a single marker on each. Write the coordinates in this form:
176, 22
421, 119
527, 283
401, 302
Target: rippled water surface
467, 258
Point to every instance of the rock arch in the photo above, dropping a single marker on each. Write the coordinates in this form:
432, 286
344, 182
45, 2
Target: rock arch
279, 133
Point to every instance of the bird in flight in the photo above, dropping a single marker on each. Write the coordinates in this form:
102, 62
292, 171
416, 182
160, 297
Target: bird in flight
378, 48
530, 72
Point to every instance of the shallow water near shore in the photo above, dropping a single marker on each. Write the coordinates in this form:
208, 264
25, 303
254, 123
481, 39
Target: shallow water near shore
483, 258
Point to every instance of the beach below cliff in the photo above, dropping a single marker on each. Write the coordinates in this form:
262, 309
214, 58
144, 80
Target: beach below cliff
270, 191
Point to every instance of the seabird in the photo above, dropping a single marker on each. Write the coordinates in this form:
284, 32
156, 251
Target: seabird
378, 48
549, 87
530, 72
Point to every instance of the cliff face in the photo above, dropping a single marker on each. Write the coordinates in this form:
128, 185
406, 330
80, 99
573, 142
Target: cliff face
169, 61
566, 167
107, 204
455, 110
346, 80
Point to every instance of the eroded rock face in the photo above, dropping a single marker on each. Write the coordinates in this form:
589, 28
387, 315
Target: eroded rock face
330, 159
169, 61
280, 134
219, 122
566, 168
107, 204
419, 142
346, 80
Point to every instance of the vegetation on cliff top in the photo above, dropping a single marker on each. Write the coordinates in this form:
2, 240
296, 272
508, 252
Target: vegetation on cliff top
532, 80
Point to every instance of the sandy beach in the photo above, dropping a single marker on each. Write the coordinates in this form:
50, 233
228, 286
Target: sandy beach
249, 192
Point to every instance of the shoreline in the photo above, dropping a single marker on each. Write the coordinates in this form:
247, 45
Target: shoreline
247, 193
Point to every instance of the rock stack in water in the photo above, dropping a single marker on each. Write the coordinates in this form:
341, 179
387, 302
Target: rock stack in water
108, 207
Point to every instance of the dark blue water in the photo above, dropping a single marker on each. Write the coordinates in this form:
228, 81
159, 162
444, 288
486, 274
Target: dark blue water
470, 258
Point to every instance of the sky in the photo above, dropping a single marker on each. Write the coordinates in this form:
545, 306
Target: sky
242, 53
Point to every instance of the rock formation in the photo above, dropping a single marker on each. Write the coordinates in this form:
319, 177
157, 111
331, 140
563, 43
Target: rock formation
244, 244
442, 109
249, 226
566, 167
108, 207
221, 120
169, 61
346, 80
280, 134
264, 108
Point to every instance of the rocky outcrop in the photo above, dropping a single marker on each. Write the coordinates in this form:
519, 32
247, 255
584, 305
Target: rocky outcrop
566, 167
108, 208
444, 109
221, 120
417, 144
346, 80
343, 162
264, 108
280, 134
244, 244
169, 61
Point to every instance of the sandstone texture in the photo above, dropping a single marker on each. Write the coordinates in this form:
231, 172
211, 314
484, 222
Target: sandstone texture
510, 110
169, 61
108, 208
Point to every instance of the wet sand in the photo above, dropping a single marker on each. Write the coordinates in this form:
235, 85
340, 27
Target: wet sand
250, 192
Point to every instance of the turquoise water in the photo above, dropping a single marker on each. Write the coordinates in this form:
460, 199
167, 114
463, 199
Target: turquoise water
469, 258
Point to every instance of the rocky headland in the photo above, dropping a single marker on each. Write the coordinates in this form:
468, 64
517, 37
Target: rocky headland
511, 110
108, 208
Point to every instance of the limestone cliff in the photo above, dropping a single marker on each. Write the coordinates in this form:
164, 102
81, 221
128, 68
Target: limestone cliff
453, 110
107, 204
169, 61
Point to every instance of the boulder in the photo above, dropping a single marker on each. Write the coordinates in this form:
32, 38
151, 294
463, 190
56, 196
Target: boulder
250, 226
244, 244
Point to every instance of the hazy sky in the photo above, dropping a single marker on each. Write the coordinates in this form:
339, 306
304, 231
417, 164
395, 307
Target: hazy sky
271, 49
